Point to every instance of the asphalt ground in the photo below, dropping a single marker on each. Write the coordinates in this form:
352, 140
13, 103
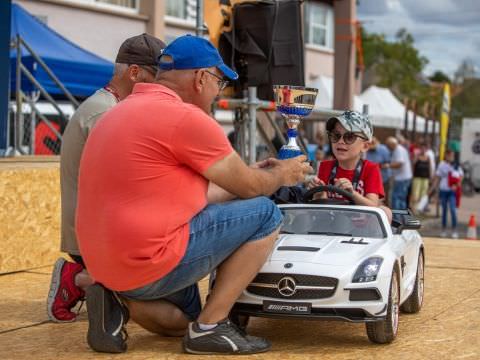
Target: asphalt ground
448, 326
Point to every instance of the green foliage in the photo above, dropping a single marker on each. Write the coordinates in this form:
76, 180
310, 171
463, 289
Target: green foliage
397, 65
466, 103
440, 77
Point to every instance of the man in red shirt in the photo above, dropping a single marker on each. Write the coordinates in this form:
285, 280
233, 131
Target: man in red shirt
157, 216
350, 135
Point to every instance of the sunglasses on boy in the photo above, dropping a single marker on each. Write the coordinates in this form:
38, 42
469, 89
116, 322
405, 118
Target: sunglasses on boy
348, 137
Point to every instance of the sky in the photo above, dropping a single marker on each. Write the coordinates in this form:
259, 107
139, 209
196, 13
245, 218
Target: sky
445, 31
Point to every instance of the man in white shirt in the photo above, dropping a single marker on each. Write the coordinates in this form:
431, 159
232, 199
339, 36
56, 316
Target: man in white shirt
401, 171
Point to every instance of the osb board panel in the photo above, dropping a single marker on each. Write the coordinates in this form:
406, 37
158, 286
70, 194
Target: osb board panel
448, 327
29, 217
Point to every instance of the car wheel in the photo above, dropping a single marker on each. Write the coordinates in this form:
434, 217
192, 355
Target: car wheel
385, 331
414, 302
240, 320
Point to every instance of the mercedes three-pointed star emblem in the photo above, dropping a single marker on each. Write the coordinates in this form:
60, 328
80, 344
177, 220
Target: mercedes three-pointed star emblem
287, 286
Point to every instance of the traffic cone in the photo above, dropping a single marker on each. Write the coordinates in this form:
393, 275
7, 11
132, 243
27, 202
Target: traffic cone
472, 228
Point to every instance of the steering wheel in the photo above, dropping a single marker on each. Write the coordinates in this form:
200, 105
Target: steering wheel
308, 197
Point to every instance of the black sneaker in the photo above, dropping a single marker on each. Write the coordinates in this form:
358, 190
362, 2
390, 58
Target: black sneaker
225, 338
107, 317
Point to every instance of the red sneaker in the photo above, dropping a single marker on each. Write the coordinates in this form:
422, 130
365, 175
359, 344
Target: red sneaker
64, 294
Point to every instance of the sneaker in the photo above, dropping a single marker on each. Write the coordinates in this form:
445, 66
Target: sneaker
64, 294
454, 235
107, 317
443, 234
225, 338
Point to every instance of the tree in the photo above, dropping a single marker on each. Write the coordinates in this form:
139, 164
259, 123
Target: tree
440, 77
397, 65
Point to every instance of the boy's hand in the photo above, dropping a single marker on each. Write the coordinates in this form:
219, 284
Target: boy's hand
314, 183
344, 184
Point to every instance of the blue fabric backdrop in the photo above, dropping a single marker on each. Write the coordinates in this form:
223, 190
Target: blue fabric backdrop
81, 71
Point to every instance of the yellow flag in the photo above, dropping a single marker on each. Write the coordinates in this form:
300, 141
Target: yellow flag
444, 119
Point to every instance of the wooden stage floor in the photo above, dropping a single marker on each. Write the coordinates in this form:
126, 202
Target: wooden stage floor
448, 327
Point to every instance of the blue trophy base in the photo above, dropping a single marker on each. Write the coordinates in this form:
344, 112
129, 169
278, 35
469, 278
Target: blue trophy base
286, 153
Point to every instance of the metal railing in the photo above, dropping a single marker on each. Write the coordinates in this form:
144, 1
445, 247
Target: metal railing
20, 139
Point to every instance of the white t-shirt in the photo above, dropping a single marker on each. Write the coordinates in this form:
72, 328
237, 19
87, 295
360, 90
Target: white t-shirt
444, 168
400, 155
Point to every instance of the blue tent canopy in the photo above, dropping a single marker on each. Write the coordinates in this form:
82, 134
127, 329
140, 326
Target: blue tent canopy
81, 71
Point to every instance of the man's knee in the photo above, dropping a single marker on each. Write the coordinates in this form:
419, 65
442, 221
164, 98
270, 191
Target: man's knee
271, 216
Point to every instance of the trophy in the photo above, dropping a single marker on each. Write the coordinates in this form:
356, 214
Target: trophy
293, 102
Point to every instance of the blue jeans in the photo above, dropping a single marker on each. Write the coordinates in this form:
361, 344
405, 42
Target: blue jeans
448, 199
215, 233
400, 194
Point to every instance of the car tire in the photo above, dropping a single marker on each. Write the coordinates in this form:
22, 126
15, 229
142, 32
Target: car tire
240, 320
385, 331
415, 301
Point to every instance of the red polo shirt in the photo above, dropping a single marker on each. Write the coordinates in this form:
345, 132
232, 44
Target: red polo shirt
140, 184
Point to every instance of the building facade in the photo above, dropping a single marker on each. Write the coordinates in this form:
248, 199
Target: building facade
100, 26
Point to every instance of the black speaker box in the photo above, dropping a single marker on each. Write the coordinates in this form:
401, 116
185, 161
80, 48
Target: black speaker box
265, 45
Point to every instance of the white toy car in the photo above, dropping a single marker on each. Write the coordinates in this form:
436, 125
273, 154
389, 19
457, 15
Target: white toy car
340, 261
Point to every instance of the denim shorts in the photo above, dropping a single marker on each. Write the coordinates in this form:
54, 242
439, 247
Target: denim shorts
215, 233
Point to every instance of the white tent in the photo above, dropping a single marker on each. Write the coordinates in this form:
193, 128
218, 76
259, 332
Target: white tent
386, 110
324, 100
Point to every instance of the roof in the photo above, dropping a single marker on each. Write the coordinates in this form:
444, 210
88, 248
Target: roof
385, 110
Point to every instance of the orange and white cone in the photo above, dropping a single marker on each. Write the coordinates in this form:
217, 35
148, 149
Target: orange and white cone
472, 228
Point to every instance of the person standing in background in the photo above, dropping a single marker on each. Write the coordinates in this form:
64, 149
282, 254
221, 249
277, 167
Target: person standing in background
402, 173
379, 153
448, 179
421, 176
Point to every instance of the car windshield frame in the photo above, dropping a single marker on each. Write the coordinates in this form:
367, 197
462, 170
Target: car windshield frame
382, 226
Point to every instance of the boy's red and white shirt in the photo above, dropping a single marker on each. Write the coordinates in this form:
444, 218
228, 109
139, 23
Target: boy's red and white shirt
370, 181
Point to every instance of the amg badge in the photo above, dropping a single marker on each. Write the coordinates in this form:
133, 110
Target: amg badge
287, 308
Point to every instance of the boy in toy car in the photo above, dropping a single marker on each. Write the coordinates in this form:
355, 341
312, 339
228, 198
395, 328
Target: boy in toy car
350, 135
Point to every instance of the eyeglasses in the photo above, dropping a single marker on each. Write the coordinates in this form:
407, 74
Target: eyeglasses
222, 84
348, 137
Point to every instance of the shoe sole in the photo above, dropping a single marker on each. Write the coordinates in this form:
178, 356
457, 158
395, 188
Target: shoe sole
52, 293
196, 352
97, 337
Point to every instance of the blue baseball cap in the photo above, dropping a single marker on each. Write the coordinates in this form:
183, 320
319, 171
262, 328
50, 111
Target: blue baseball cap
193, 52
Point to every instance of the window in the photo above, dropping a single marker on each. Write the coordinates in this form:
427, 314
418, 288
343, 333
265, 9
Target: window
182, 9
319, 25
131, 4
128, 5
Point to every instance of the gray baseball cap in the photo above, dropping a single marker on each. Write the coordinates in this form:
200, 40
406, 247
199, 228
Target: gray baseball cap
353, 121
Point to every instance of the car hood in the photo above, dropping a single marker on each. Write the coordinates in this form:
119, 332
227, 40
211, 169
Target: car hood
323, 249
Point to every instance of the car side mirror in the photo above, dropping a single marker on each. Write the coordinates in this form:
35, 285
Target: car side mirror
411, 224
405, 220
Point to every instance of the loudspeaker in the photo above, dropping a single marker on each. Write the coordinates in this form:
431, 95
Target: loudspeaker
265, 45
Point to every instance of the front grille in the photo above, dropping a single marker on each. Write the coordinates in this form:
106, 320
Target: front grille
304, 280
272, 279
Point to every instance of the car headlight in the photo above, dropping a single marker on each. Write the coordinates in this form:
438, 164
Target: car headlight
368, 270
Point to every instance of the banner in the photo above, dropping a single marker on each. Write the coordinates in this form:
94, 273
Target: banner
444, 120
